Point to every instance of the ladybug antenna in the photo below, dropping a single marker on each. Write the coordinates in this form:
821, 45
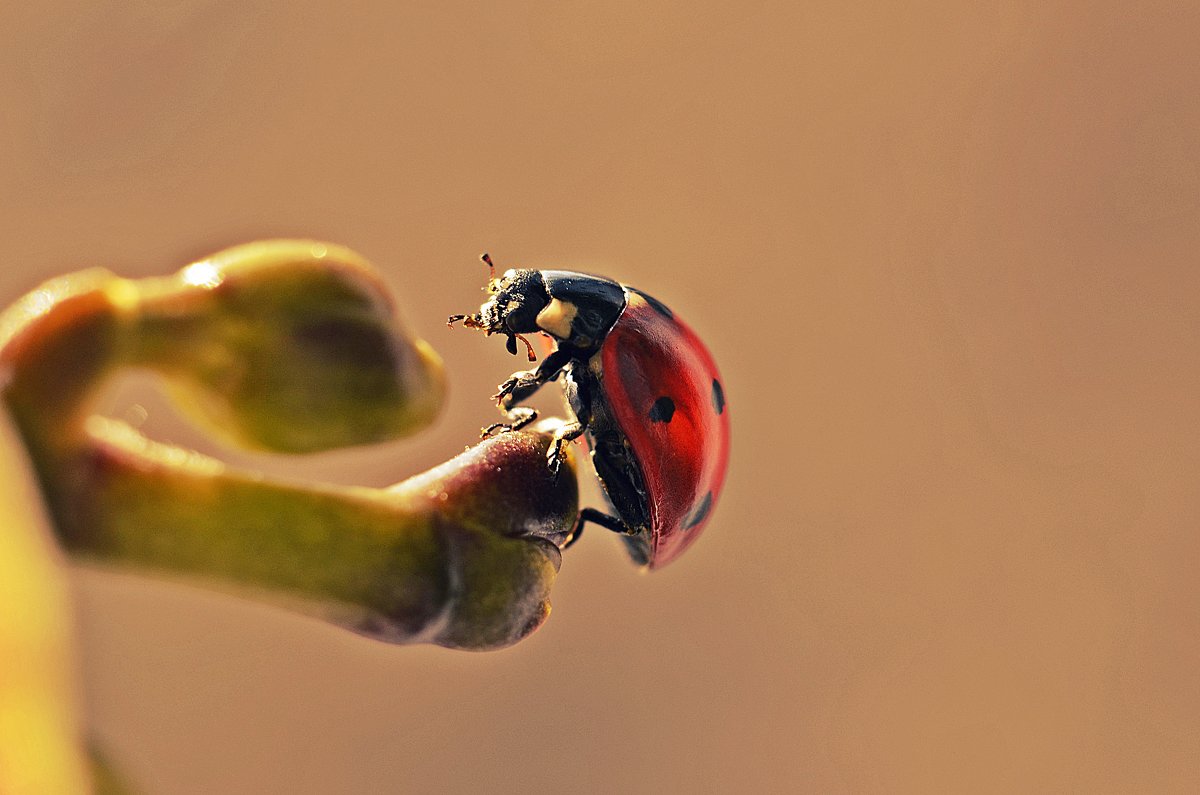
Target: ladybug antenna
493, 285
512, 346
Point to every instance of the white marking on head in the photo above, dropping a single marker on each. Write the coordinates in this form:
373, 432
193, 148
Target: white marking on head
557, 317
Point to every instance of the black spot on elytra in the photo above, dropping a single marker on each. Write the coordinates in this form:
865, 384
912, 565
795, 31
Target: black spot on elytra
662, 410
658, 305
718, 397
697, 514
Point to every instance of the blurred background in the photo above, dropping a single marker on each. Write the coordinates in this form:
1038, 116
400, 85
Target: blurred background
946, 255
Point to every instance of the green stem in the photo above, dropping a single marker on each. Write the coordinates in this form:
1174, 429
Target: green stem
290, 346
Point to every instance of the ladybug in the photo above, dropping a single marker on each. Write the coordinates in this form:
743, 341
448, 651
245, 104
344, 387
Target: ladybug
641, 386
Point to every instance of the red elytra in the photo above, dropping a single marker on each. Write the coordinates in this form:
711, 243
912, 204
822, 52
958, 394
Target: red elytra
645, 358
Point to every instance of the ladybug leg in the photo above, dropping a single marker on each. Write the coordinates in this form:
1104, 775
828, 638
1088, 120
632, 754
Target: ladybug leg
518, 418
521, 385
518, 387
597, 517
580, 406
566, 433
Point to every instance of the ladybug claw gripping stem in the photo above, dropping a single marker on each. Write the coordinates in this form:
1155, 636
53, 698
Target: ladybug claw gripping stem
556, 454
519, 418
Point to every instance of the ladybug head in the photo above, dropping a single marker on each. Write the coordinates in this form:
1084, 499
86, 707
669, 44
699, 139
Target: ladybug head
516, 299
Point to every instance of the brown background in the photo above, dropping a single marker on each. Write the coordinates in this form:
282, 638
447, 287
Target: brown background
947, 257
